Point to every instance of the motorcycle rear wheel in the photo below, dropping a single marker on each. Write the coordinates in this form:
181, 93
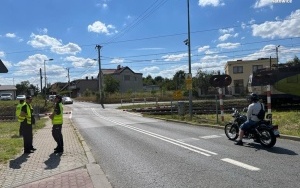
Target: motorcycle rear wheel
267, 138
231, 131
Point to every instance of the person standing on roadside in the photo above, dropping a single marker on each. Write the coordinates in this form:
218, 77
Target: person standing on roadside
26, 118
57, 121
18, 111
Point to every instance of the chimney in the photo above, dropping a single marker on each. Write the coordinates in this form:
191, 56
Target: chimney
86, 78
92, 78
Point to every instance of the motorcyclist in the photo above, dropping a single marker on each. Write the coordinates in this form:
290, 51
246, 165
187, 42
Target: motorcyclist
252, 118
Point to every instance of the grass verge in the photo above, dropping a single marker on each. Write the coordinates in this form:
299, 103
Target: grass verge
10, 142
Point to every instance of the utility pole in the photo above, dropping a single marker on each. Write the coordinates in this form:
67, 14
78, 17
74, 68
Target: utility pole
189, 52
68, 69
100, 75
277, 54
41, 79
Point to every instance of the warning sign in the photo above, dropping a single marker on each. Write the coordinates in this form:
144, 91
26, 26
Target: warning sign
189, 81
177, 95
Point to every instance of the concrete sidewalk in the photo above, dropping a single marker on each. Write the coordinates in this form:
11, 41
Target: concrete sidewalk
76, 167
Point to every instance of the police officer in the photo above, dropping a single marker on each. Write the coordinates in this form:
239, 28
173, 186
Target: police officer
57, 121
26, 118
18, 111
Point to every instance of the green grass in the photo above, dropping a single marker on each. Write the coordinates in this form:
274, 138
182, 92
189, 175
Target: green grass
10, 143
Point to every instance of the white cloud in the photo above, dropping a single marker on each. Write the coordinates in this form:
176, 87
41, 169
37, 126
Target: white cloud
228, 45
286, 28
41, 41
203, 48
117, 61
173, 57
10, 35
99, 27
228, 30
263, 3
56, 46
224, 37
150, 69
213, 3
80, 62
2, 54
70, 48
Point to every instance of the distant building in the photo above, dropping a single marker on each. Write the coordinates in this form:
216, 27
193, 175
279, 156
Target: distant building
129, 80
240, 71
9, 89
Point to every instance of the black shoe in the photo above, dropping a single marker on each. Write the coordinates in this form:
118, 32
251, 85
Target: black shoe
33, 149
239, 143
59, 150
27, 152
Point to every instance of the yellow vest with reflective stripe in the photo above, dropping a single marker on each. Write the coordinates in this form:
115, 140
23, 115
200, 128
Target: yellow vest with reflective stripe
18, 109
28, 115
58, 119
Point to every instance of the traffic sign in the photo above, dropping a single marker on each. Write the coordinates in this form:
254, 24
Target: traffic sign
189, 81
3, 68
177, 95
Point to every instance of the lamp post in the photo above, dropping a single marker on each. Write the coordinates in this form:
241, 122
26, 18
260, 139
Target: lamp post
46, 78
277, 54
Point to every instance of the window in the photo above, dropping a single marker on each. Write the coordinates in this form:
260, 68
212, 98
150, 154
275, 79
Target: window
126, 77
256, 67
237, 69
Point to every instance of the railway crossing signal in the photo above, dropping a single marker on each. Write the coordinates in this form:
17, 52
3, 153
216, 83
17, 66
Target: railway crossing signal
220, 80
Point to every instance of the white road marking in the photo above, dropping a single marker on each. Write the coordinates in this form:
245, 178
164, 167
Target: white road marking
166, 139
210, 136
240, 164
188, 139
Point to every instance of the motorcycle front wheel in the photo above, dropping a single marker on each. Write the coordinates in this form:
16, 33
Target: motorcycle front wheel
231, 131
267, 138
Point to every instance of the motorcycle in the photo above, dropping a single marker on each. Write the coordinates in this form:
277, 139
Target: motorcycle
263, 132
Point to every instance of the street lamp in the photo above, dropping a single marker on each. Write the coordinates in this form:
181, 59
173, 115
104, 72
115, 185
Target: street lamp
277, 54
46, 78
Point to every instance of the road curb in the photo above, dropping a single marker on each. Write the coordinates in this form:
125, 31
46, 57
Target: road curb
97, 175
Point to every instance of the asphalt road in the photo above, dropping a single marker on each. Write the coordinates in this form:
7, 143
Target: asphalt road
134, 151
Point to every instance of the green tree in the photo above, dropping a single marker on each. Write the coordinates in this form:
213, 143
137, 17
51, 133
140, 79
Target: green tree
111, 85
202, 81
294, 62
178, 79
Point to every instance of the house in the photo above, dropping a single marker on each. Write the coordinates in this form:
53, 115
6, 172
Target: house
240, 71
129, 80
9, 89
79, 86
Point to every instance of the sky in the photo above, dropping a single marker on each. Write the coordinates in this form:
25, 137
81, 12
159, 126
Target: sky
145, 35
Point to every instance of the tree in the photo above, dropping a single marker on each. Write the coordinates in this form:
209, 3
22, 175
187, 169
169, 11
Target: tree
25, 88
203, 81
148, 81
294, 62
179, 78
111, 85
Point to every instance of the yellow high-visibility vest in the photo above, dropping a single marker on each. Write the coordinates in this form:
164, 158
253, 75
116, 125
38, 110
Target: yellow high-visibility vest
27, 116
18, 109
58, 119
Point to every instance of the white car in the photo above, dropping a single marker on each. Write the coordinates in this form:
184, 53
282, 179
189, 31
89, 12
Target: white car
67, 100
6, 97
21, 97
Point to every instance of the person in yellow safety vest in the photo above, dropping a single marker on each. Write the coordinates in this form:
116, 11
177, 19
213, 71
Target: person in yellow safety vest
18, 111
26, 118
57, 121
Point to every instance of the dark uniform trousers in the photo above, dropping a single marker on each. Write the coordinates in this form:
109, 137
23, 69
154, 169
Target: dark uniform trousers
58, 137
27, 135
